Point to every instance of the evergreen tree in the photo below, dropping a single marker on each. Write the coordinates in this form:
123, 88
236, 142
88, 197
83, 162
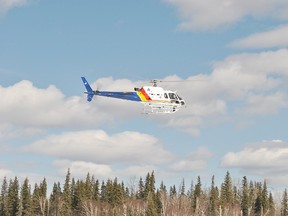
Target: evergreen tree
25, 199
141, 188
66, 208
117, 195
265, 198
4, 198
39, 199
284, 204
158, 203
150, 186
56, 200
103, 197
197, 194
182, 188
271, 204
96, 190
152, 183
191, 190
258, 206
213, 200
112, 192
245, 197
35, 201
126, 191
226, 190
109, 191
13, 199
88, 188
198, 188
78, 194
73, 194
236, 201
173, 191
43, 197
163, 188
252, 194
222, 195
151, 209
43, 188
147, 188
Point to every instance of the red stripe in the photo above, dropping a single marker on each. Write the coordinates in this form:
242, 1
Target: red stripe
145, 94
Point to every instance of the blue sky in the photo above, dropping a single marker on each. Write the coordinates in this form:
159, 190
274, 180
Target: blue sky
235, 120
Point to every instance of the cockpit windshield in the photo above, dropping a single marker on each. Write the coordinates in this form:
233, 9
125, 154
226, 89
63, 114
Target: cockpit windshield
179, 97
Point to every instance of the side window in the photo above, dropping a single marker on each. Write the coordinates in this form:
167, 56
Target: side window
165, 95
172, 96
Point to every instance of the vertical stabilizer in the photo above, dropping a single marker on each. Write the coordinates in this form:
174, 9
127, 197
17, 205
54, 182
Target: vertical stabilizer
90, 93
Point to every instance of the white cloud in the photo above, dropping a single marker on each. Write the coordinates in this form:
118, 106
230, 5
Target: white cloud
8, 132
267, 159
237, 75
6, 173
210, 14
263, 63
195, 161
255, 79
243, 84
265, 104
97, 146
188, 165
6, 5
26, 105
79, 169
135, 171
277, 37
82, 168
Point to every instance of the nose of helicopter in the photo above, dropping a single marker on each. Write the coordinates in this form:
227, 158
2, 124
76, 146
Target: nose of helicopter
182, 102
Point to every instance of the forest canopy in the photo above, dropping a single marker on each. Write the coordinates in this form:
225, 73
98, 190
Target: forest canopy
111, 197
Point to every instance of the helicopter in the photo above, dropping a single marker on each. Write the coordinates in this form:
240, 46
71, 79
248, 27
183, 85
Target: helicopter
155, 99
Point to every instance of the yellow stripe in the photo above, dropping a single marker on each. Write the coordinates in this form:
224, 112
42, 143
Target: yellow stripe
142, 97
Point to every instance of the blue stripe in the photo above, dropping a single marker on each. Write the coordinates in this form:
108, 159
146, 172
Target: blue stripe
133, 96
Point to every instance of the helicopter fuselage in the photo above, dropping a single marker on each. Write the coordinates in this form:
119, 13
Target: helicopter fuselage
154, 98
145, 94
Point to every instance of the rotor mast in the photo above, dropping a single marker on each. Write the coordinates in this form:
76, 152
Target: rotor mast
154, 82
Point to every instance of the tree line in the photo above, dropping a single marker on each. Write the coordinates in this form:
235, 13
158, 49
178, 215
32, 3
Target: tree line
113, 198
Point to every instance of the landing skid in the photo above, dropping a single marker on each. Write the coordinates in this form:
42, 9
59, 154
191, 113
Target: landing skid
160, 108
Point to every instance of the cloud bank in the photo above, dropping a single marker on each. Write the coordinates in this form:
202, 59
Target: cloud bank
256, 81
275, 38
267, 159
23, 104
210, 14
6, 5
197, 160
97, 146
